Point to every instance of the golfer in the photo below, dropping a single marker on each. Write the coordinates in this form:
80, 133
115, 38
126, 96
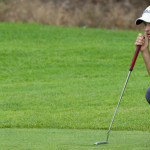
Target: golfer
144, 42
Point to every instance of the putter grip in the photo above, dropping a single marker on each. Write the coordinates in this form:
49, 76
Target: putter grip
135, 57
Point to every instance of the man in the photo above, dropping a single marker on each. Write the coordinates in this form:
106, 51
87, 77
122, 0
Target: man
144, 41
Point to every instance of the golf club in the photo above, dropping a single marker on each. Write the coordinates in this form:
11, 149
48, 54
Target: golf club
130, 70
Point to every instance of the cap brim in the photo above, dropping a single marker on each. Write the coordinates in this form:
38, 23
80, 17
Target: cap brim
139, 21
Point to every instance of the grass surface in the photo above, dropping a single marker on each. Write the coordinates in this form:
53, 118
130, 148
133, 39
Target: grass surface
70, 78
64, 139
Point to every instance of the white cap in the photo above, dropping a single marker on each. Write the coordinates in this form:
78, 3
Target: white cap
145, 16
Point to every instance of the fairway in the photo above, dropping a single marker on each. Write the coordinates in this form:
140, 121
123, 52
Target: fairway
61, 86
55, 139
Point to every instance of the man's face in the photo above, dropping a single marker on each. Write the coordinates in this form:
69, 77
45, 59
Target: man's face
147, 29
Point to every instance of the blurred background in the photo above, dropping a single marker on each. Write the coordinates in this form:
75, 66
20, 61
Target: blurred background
111, 14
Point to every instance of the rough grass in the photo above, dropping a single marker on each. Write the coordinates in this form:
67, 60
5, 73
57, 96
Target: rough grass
70, 78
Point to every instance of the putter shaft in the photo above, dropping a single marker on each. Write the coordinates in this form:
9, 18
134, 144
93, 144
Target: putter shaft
118, 104
130, 70
106, 142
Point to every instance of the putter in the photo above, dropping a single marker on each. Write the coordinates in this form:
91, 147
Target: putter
130, 70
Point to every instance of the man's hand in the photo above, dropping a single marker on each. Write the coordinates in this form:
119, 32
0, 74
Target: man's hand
143, 41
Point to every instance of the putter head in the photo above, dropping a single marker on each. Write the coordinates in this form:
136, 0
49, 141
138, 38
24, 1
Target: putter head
99, 143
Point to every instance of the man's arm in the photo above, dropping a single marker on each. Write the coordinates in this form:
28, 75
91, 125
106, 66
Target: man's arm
144, 42
146, 57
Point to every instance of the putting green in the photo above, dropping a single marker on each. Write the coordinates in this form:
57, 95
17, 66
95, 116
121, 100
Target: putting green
65, 139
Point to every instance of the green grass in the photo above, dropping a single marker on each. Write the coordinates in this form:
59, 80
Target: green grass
64, 139
70, 78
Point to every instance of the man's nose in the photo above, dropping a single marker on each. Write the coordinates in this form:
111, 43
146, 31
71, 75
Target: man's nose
147, 27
